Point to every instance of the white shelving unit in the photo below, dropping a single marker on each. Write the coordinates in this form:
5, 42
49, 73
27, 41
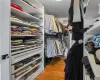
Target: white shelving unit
92, 13
95, 67
31, 13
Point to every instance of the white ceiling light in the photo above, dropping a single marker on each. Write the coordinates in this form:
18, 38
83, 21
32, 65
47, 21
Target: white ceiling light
58, 0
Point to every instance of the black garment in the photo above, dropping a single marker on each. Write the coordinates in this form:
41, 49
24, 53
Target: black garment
70, 19
71, 11
77, 27
74, 66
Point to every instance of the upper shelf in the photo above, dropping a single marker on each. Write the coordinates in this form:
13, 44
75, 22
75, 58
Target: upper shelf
26, 7
22, 24
95, 67
95, 29
36, 2
25, 15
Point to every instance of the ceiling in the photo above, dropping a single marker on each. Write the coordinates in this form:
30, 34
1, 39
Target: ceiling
57, 8
60, 8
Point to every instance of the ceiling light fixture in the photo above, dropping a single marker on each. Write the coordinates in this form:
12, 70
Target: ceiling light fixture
58, 0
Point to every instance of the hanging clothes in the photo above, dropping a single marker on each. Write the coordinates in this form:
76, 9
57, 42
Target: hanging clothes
54, 48
59, 47
48, 24
76, 30
76, 11
76, 14
74, 66
54, 24
50, 48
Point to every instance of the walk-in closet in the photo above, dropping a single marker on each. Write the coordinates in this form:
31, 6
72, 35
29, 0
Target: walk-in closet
49, 39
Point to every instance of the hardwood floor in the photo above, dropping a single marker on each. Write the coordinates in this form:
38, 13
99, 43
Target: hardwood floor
53, 71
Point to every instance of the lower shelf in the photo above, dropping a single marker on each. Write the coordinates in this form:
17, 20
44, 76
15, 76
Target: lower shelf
14, 71
35, 74
39, 64
95, 67
25, 55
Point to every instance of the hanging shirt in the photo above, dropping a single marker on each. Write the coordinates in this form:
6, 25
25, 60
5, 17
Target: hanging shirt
77, 13
54, 24
50, 48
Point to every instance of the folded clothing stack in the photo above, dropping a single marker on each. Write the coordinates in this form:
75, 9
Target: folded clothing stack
23, 62
21, 44
16, 42
87, 65
39, 41
22, 71
29, 42
16, 6
14, 18
31, 31
30, 73
16, 30
93, 47
33, 71
33, 41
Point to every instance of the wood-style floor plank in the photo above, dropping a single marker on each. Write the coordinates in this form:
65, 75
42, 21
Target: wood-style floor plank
53, 71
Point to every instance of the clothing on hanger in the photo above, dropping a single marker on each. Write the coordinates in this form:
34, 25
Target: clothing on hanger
54, 24
76, 11
76, 14
73, 64
54, 48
